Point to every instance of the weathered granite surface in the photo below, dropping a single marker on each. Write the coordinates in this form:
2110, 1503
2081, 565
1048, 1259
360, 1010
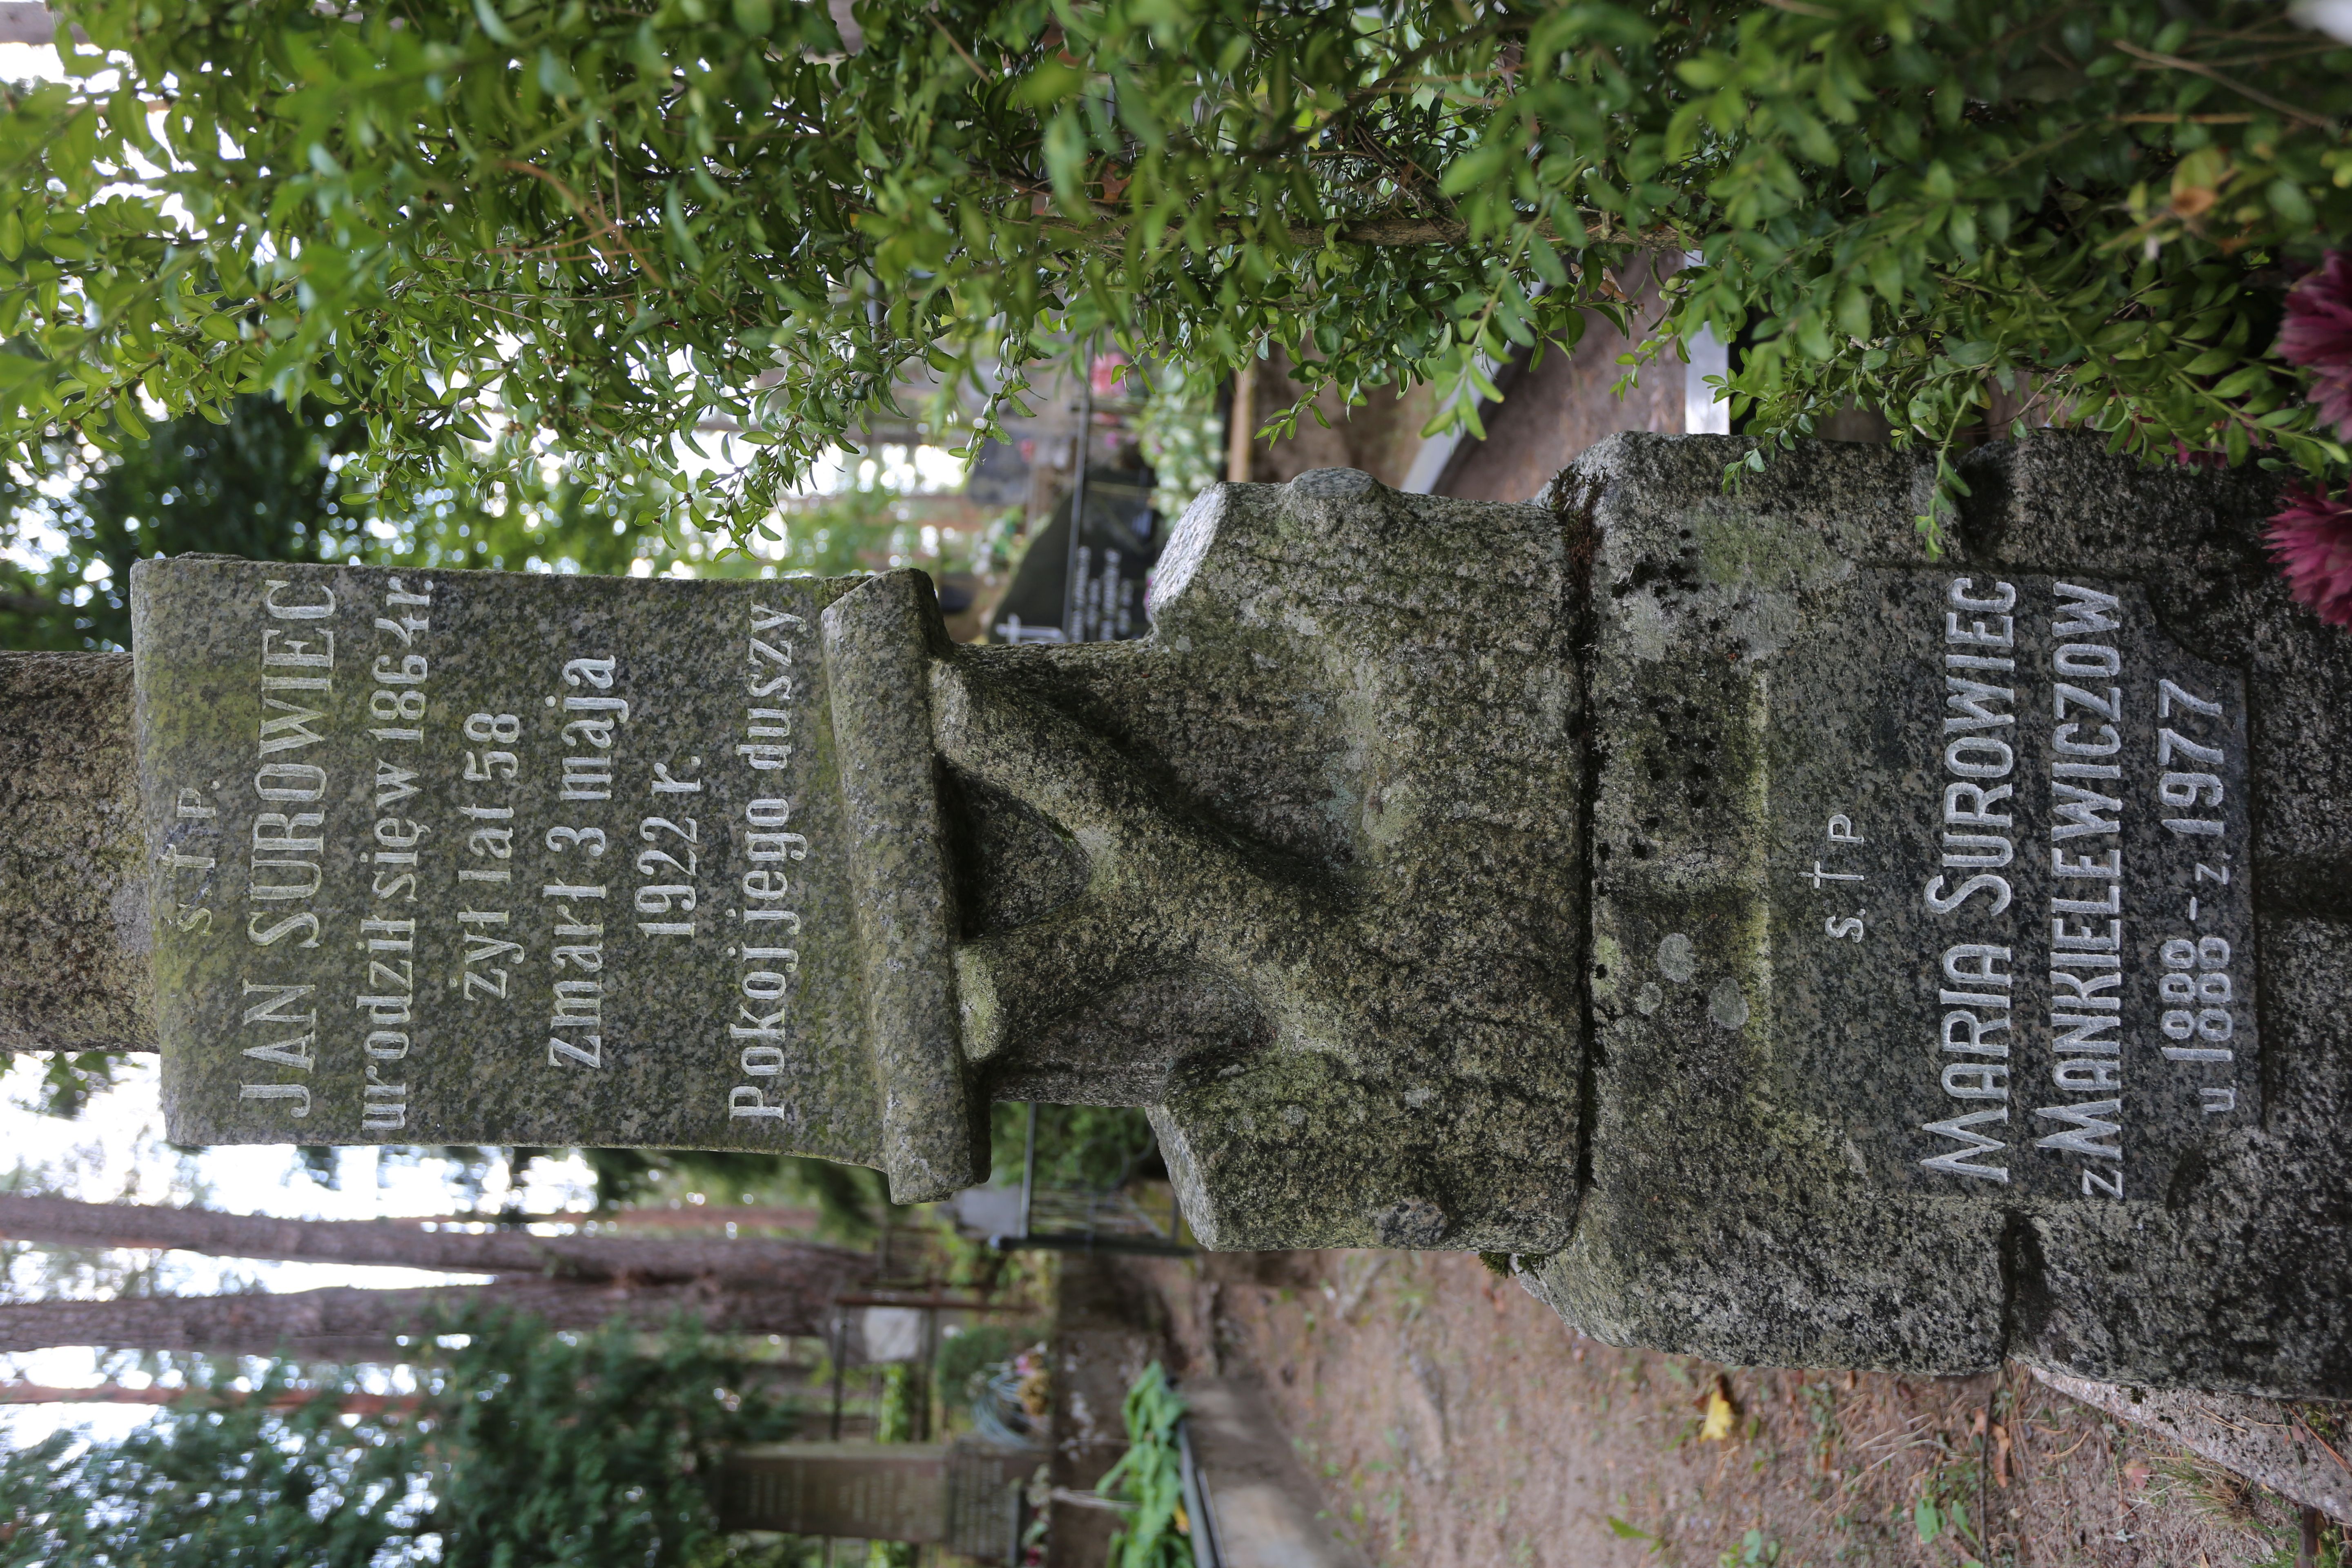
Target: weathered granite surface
881, 639
73, 875
1257, 871
1657, 883
1321, 906
482, 857
2160, 1194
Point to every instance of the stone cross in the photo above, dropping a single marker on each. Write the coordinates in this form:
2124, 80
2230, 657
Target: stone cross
1795, 944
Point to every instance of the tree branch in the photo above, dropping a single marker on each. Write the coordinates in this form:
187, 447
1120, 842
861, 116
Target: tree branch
2174, 62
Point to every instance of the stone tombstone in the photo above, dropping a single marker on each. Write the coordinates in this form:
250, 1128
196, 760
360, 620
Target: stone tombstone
2036, 887
874, 1492
964, 1495
1794, 944
1089, 589
1968, 962
468, 857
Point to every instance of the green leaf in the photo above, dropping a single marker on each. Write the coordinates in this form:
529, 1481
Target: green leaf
1546, 261
1886, 275
1049, 82
1813, 337
2243, 382
493, 24
73, 151
2288, 199
1854, 311
1705, 73
555, 77
1962, 226
681, 236
1475, 169
710, 185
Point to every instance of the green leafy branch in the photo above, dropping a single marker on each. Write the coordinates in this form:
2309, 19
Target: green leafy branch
495, 233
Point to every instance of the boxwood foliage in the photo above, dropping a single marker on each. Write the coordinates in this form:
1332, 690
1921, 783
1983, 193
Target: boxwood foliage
522, 1449
532, 235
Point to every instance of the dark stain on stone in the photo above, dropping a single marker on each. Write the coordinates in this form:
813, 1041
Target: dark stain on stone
2306, 886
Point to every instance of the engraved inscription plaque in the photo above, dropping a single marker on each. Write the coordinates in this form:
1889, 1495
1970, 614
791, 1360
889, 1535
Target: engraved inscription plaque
464, 856
2014, 884
1968, 962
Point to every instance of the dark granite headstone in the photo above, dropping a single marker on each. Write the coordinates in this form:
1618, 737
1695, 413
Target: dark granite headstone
1090, 590
964, 1495
2073, 867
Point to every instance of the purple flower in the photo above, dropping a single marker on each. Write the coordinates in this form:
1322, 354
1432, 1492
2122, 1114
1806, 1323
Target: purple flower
2317, 335
2312, 542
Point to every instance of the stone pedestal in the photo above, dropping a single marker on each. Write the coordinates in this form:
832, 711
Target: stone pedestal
1969, 957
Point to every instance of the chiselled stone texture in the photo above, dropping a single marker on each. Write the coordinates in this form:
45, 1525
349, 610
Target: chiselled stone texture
472, 857
501, 858
74, 944
1314, 846
1910, 1048
2234, 1269
880, 641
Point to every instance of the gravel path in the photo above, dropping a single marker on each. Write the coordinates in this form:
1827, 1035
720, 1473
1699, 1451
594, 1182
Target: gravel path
1457, 1424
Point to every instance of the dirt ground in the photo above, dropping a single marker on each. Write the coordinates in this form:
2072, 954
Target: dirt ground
1456, 1423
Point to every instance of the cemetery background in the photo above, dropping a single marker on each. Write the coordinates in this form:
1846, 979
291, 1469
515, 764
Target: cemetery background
825, 1375
1459, 473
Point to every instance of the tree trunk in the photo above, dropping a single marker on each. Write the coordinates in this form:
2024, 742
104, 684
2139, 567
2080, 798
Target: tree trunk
746, 1261
691, 1216
311, 1324
74, 934
214, 1398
